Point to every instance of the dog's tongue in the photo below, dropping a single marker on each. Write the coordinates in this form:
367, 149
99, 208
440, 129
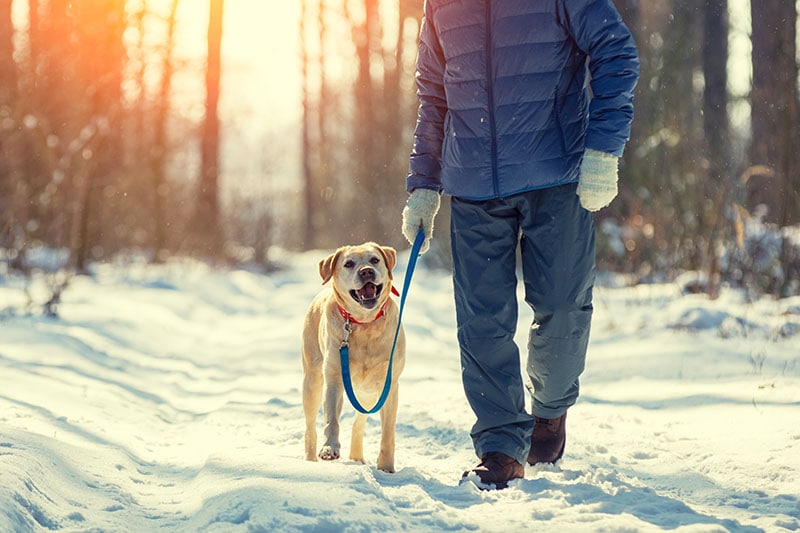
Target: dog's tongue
368, 291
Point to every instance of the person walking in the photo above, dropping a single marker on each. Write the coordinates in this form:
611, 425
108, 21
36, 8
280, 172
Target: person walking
524, 111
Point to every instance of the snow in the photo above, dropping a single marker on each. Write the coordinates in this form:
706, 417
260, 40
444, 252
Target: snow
168, 398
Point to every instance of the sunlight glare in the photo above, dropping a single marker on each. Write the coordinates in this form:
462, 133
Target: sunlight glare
260, 42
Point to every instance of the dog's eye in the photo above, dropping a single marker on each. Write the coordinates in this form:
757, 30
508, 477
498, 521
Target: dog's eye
349, 264
374, 260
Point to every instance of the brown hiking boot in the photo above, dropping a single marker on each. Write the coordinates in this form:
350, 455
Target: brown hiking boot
548, 440
495, 471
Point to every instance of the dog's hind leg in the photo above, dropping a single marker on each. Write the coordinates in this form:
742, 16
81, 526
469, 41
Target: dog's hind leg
357, 438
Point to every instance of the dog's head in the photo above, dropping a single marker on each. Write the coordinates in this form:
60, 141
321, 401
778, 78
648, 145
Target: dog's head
361, 274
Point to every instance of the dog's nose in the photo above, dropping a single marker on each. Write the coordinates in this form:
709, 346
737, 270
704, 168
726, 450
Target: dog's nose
366, 274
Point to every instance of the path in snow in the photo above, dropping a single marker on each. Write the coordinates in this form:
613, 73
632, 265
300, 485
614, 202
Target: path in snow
167, 398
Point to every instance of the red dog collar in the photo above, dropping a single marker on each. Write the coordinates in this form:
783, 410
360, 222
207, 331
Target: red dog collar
348, 317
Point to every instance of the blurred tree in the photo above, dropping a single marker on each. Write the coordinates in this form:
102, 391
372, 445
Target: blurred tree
8, 129
357, 120
653, 226
89, 138
775, 121
323, 137
71, 76
637, 177
207, 233
99, 28
680, 156
159, 150
677, 172
719, 186
49, 77
381, 142
310, 209
775, 132
365, 188
324, 167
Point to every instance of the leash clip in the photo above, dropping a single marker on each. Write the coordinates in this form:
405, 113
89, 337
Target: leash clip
348, 328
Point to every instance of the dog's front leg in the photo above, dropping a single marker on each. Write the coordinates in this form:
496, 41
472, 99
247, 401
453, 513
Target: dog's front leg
312, 398
388, 421
357, 438
332, 410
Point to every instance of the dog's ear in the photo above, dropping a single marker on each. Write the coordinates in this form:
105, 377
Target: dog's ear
327, 265
390, 256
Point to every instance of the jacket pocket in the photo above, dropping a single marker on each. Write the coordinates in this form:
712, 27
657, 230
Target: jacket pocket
559, 126
447, 139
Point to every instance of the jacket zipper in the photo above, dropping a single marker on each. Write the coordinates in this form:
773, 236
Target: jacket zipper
490, 95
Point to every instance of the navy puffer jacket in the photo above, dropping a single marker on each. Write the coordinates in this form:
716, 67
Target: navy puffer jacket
504, 106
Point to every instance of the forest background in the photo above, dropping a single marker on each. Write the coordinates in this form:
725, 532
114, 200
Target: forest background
136, 128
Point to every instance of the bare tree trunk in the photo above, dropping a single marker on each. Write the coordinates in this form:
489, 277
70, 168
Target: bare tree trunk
159, 148
364, 127
8, 67
715, 95
325, 166
719, 186
100, 28
207, 215
392, 124
50, 84
366, 131
139, 148
774, 110
8, 101
309, 208
678, 101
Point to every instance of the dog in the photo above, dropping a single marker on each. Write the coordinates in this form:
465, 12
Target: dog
359, 294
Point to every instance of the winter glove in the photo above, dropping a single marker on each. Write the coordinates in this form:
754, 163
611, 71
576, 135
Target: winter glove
421, 208
598, 180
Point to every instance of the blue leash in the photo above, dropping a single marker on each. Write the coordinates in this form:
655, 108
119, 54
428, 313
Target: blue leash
344, 350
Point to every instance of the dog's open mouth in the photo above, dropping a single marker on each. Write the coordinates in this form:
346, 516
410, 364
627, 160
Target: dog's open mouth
367, 295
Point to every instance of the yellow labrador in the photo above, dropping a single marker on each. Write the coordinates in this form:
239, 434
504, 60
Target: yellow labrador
360, 293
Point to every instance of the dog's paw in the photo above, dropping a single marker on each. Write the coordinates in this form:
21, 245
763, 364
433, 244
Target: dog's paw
386, 462
329, 453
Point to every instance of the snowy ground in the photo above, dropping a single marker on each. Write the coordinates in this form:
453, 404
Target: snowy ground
167, 398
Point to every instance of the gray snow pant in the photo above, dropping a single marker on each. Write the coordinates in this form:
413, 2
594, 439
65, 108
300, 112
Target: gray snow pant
556, 240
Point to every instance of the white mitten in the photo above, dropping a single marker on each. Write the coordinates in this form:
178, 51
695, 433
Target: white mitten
598, 180
420, 210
